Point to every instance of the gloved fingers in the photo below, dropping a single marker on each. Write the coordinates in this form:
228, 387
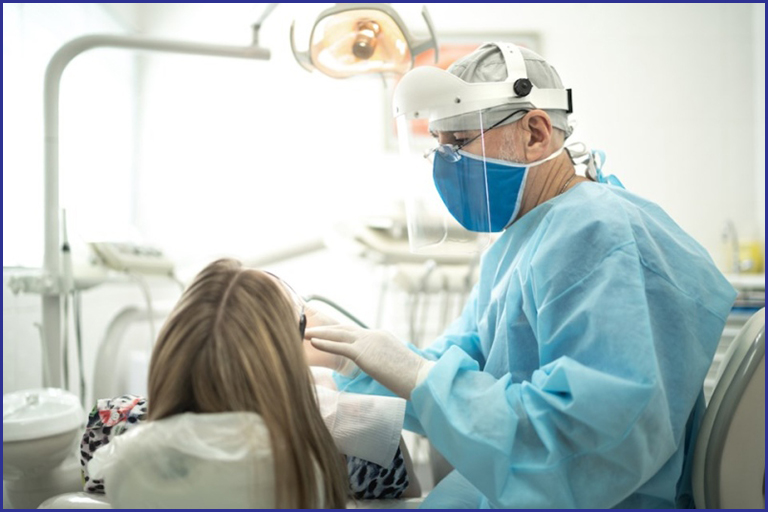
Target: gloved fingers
317, 357
343, 327
316, 318
339, 333
334, 347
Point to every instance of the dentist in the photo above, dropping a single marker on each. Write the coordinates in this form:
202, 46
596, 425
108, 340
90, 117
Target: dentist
573, 378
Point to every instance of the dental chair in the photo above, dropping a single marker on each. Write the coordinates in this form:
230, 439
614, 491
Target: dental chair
729, 457
108, 352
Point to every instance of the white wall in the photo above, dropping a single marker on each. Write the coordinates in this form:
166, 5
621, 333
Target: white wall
668, 91
758, 61
22, 355
96, 109
240, 158
252, 155
97, 106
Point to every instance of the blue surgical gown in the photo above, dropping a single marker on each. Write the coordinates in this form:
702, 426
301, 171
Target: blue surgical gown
573, 377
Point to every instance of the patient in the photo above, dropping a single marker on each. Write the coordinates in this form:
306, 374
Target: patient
229, 383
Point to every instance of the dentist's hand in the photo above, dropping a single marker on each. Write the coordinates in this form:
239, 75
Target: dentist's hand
337, 363
315, 357
316, 318
377, 353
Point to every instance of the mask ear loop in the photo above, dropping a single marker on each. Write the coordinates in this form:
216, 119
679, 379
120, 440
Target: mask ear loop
580, 155
598, 160
593, 160
599, 157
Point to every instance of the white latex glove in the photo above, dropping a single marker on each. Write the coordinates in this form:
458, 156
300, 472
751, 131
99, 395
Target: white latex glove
337, 363
378, 353
316, 318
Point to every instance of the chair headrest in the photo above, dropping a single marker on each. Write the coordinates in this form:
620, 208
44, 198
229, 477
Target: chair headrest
221, 460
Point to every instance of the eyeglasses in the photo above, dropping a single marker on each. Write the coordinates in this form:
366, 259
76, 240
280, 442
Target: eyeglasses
450, 152
297, 300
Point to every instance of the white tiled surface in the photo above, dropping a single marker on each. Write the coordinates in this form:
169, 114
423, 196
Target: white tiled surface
22, 359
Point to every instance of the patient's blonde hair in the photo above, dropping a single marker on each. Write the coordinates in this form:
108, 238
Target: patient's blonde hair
232, 343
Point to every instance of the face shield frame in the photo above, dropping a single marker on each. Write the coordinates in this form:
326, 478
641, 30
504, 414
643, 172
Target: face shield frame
433, 93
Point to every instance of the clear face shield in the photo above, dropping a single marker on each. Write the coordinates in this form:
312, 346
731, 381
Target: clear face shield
449, 206
461, 177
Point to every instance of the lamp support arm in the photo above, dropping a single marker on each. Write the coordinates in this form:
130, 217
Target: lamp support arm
431, 42
51, 296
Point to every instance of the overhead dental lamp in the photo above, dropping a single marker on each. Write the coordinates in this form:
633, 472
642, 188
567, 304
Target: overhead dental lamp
354, 39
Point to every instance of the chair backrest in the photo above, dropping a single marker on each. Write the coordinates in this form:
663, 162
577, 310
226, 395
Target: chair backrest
729, 459
113, 374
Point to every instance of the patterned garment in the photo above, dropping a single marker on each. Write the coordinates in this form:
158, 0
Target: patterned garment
113, 416
368, 481
110, 417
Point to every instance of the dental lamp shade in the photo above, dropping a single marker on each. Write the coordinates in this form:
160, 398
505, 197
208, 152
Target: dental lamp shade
354, 39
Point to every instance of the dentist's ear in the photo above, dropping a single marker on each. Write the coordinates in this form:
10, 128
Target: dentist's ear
536, 128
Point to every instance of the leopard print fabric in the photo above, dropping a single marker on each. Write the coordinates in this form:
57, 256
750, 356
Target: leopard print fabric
369, 481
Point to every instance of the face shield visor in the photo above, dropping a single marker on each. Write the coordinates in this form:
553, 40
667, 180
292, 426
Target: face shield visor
457, 163
449, 204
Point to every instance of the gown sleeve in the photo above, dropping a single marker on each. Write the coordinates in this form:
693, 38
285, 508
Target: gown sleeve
462, 335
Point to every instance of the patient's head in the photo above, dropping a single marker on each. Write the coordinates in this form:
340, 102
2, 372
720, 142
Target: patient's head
232, 343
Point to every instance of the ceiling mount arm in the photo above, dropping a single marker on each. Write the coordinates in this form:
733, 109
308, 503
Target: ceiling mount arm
257, 26
422, 46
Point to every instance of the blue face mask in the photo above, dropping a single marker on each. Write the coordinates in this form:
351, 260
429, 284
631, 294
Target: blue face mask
461, 178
